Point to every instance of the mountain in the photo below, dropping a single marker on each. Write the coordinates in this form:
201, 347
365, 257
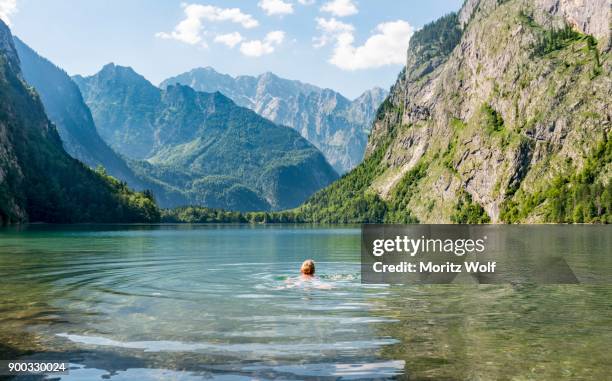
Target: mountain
203, 145
39, 181
337, 126
501, 114
65, 107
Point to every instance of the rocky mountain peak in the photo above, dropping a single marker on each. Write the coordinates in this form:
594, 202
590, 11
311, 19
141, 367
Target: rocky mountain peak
334, 124
267, 76
207, 70
125, 73
375, 95
178, 94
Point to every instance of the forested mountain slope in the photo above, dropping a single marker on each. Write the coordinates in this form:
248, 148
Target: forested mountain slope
502, 114
337, 126
202, 145
39, 181
65, 107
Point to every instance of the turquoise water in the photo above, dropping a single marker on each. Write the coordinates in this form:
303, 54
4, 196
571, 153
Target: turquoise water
218, 302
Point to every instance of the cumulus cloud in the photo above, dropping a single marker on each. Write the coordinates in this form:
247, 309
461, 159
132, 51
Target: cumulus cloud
190, 30
306, 2
340, 8
258, 48
7, 9
331, 30
276, 7
229, 39
387, 46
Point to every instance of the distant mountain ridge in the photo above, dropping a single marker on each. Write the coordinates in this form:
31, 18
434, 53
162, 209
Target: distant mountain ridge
334, 124
202, 145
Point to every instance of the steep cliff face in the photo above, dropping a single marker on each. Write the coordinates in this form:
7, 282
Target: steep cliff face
587, 16
337, 126
501, 114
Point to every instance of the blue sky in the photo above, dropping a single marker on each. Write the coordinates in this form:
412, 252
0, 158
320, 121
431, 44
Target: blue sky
346, 45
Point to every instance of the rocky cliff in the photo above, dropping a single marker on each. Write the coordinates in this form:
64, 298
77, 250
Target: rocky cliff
337, 126
502, 114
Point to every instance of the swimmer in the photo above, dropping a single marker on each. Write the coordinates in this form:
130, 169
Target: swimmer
307, 278
307, 270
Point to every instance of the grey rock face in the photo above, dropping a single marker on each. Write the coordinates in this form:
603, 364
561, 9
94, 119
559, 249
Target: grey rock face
588, 16
467, 11
337, 126
553, 108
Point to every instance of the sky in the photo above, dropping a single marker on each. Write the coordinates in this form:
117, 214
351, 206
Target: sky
346, 45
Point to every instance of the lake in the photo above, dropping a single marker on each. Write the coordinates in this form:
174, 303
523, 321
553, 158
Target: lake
200, 302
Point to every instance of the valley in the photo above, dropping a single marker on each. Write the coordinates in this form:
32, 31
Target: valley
470, 132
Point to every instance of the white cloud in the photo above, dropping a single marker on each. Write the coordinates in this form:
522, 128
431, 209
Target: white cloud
331, 30
340, 8
277, 37
306, 2
258, 48
229, 39
387, 46
190, 30
7, 9
276, 7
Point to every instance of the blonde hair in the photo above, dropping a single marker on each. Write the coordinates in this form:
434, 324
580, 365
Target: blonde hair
308, 267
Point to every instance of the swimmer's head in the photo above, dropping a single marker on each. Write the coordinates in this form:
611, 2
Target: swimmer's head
308, 267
